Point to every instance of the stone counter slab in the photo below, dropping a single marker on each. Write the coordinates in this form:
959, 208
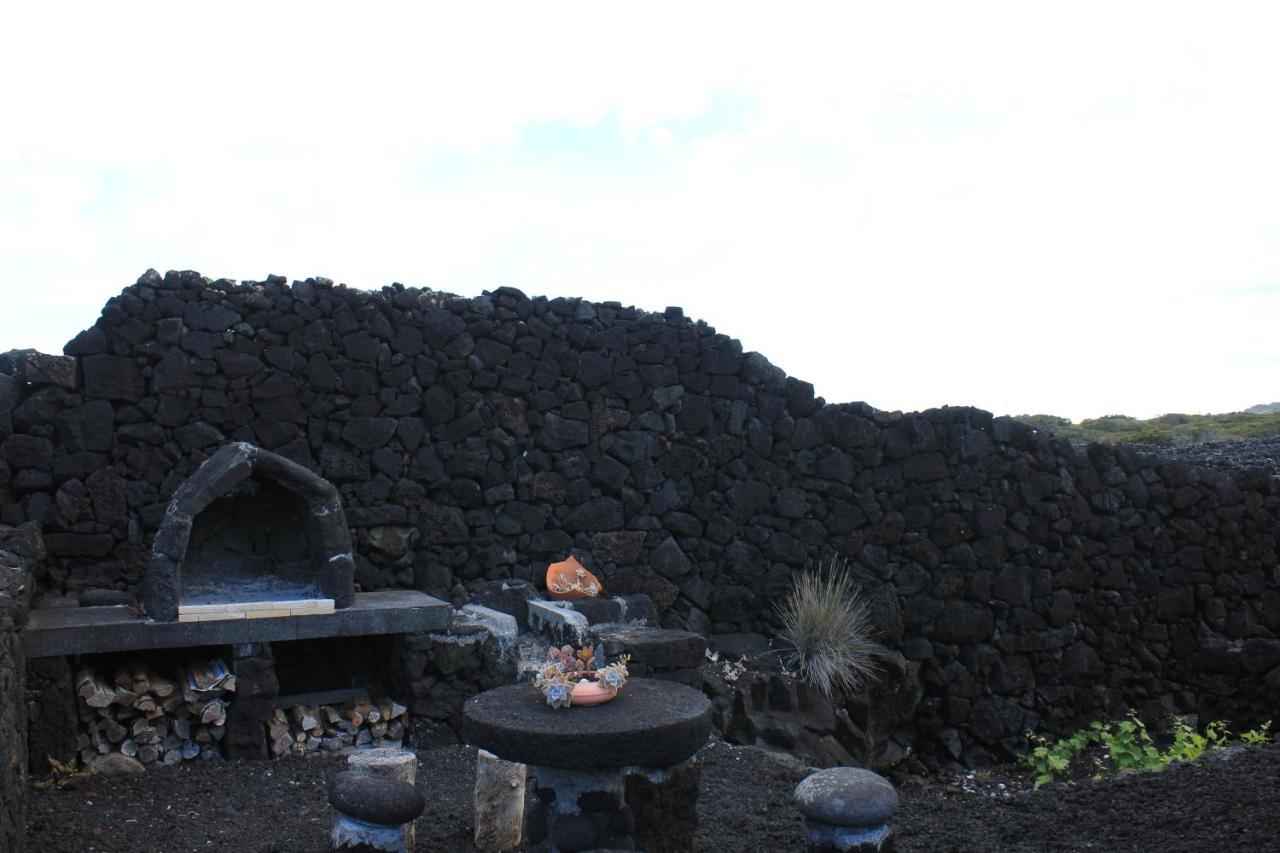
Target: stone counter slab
87, 630
650, 724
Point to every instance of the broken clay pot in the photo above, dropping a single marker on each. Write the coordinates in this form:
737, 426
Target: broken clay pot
568, 580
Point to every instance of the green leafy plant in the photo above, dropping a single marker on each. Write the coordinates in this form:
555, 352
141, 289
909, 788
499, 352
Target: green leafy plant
1128, 746
1049, 758
827, 626
62, 773
1258, 736
1188, 744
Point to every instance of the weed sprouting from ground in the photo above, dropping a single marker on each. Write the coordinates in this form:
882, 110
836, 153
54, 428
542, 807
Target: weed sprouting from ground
827, 626
1129, 746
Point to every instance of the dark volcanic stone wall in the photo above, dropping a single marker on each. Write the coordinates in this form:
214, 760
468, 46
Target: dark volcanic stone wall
1025, 584
20, 548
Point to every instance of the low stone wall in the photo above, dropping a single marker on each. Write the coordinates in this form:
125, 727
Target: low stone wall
19, 549
1024, 584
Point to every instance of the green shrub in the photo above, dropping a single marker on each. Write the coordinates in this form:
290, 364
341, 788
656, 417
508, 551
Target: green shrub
1049, 758
1188, 744
1258, 736
826, 625
1176, 430
1129, 746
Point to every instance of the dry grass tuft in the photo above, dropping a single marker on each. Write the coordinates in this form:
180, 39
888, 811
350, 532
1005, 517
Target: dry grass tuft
826, 624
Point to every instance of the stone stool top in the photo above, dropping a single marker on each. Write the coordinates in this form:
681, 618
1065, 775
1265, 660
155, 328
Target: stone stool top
651, 724
374, 799
846, 796
387, 761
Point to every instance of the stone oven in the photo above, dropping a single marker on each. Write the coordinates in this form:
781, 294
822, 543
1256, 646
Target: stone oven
250, 535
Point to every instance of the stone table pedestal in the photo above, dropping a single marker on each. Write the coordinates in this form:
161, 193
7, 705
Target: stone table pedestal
582, 756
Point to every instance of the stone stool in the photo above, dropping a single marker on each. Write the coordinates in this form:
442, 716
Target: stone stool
392, 763
847, 808
372, 812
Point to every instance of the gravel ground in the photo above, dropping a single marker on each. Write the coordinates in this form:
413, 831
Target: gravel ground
1229, 801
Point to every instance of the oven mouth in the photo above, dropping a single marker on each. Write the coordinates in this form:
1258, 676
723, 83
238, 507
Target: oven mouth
250, 535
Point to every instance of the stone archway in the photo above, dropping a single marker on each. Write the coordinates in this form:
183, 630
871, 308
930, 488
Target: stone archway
250, 525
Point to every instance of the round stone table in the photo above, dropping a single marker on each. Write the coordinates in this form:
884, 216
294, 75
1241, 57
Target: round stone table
582, 755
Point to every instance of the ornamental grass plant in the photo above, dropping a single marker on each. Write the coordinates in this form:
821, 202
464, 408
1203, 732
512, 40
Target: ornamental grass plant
827, 627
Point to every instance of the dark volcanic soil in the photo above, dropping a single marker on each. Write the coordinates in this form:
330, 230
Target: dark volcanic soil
1228, 801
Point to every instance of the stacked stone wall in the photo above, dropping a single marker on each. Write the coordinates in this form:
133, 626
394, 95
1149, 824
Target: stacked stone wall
1022, 583
19, 549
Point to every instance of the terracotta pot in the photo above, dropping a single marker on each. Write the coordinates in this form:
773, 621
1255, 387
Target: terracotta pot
591, 693
568, 580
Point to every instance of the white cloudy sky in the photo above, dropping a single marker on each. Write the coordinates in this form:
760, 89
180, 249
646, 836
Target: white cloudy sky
1028, 207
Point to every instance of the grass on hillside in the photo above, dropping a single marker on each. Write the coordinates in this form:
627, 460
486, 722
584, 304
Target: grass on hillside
1172, 430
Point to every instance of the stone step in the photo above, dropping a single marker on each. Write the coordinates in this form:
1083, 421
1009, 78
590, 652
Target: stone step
653, 649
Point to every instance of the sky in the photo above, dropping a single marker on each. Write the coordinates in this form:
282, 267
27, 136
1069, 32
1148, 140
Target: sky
1058, 208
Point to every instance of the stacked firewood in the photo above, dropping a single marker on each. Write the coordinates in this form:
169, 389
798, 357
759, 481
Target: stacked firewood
337, 729
152, 718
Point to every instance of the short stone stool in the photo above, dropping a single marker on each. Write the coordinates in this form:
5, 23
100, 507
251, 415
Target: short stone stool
847, 808
372, 812
392, 763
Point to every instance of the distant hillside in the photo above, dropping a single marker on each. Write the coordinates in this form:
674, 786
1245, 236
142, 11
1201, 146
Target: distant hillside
1171, 430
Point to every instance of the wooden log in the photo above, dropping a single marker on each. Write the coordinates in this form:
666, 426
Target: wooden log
190, 750
498, 802
125, 697
129, 747
214, 712
114, 731
172, 757
277, 728
148, 754
141, 675
95, 692
281, 745
146, 702
304, 717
